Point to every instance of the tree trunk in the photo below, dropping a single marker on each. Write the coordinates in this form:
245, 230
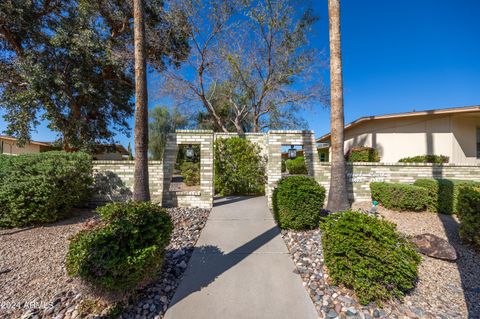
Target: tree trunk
141, 190
337, 195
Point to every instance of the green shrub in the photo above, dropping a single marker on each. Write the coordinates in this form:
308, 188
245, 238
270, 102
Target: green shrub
298, 202
400, 197
239, 167
125, 249
440, 194
284, 166
469, 214
368, 255
42, 187
443, 193
436, 159
362, 154
191, 173
296, 166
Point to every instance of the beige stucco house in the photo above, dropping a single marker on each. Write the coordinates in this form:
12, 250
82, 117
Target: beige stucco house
8, 146
454, 132
111, 152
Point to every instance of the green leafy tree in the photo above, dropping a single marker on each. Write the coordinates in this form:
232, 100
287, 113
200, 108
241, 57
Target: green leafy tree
70, 64
162, 121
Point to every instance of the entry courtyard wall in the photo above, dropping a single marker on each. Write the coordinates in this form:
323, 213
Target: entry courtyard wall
360, 175
119, 174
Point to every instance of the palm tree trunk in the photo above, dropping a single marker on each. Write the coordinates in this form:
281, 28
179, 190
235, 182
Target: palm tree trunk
141, 190
337, 195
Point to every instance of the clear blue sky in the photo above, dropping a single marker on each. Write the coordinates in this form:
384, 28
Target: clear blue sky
397, 56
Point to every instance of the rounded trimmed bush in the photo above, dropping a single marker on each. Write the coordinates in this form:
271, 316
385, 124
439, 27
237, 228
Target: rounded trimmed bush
469, 214
298, 202
296, 166
368, 255
126, 248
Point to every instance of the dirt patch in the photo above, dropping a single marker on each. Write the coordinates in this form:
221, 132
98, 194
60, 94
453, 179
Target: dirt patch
32, 262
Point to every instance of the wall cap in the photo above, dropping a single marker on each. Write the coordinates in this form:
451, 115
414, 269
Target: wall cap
120, 162
404, 164
193, 131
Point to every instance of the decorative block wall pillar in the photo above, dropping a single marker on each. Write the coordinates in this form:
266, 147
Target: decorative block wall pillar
204, 197
275, 141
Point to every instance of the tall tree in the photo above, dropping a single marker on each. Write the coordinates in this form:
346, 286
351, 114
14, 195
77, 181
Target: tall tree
253, 57
69, 64
161, 122
141, 190
337, 195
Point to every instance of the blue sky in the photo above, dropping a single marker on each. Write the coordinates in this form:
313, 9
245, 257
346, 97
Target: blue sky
397, 56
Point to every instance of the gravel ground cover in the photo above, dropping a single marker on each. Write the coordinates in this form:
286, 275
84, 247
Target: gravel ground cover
444, 290
32, 262
54, 292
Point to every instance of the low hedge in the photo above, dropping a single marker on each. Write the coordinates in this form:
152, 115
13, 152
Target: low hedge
190, 173
435, 159
368, 255
440, 194
362, 154
125, 249
43, 187
298, 202
443, 193
469, 214
296, 166
402, 197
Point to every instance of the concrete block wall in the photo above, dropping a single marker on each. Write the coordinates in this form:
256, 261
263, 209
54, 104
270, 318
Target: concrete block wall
119, 176
161, 172
204, 197
275, 141
360, 175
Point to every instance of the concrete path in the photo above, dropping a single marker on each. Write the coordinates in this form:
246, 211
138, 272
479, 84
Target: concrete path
241, 268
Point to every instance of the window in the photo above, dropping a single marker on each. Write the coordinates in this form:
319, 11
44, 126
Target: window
478, 142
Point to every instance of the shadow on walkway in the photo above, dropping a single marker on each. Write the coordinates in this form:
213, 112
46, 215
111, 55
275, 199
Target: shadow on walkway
220, 201
208, 262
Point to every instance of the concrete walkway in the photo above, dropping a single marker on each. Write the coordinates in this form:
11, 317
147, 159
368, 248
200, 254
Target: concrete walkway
241, 269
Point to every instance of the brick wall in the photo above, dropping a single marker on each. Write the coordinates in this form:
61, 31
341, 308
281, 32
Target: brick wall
118, 175
359, 175
114, 179
275, 141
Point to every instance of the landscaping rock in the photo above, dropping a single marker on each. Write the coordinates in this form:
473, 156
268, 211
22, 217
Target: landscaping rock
435, 247
151, 301
333, 301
